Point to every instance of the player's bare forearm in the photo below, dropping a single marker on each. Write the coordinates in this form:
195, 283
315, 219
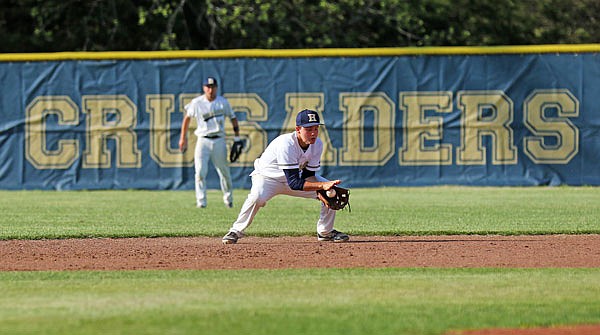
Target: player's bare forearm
182, 144
183, 137
311, 184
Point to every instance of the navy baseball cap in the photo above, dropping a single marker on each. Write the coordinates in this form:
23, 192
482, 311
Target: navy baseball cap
308, 118
209, 81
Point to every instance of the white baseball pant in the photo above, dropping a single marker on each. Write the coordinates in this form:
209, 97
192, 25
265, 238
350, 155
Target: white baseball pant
214, 150
263, 189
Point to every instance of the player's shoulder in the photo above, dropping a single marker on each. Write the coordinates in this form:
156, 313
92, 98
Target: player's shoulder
221, 99
200, 98
223, 103
283, 143
287, 139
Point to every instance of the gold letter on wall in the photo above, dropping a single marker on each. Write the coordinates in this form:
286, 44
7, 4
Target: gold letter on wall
419, 128
565, 133
485, 113
354, 106
160, 108
36, 148
110, 117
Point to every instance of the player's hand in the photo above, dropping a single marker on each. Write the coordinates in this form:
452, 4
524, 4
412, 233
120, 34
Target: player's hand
182, 144
329, 184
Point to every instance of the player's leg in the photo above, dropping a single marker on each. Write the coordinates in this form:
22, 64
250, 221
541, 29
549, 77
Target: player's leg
201, 157
219, 159
262, 190
325, 230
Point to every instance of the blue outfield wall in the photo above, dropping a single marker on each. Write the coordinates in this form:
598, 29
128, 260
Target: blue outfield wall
390, 120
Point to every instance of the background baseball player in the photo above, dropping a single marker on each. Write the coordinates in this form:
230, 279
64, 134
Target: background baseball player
210, 111
288, 166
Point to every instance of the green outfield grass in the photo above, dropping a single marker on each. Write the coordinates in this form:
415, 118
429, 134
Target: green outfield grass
320, 301
380, 211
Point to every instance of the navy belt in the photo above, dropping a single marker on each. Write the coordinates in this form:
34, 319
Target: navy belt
212, 136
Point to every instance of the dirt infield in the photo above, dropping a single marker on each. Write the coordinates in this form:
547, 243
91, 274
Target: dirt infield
307, 252
301, 252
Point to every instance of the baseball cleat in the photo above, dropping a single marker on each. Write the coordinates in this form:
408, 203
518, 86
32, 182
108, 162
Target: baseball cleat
334, 236
230, 238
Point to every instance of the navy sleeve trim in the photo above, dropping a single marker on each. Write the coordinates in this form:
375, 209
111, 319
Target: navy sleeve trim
293, 179
307, 173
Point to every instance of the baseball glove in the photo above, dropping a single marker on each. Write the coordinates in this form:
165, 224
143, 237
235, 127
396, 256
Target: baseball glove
336, 201
236, 150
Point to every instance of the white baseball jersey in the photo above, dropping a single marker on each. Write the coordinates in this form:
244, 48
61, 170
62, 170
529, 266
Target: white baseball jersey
284, 152
210, 115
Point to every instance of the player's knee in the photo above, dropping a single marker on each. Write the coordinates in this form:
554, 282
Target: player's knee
257, 199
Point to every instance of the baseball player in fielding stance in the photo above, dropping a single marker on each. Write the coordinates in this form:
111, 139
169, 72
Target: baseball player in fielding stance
288, 166
210, 111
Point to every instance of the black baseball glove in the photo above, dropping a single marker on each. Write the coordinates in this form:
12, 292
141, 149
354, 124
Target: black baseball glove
336, 201
236, 150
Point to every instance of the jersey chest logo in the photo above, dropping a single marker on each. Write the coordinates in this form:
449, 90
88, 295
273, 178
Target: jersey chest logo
303, 163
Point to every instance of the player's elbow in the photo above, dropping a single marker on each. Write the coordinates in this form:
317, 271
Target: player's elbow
293, 179
296, 185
